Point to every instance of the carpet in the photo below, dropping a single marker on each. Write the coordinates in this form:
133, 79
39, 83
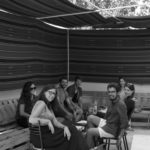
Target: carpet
140, 142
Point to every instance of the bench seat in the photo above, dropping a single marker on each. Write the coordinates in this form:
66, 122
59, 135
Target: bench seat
12, 136
142, 116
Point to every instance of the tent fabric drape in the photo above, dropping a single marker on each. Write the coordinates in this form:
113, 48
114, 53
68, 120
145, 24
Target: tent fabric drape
104, 55
30, 50
43, 8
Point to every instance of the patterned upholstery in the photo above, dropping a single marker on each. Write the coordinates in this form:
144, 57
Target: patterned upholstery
8, 111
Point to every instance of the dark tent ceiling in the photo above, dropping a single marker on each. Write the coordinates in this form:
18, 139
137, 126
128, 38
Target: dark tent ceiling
64, 13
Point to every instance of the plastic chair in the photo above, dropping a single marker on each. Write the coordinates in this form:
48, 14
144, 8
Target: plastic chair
36, 131
117, 141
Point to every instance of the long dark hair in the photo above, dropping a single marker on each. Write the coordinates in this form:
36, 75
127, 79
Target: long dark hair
132, 88
25, 94
43, 97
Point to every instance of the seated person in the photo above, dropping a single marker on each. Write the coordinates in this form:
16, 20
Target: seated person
55, 135
62, 104
25, 103
122, 83
115, 120
75, 93
129, 99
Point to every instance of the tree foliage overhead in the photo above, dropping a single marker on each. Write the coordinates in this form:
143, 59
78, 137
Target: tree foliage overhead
118, 8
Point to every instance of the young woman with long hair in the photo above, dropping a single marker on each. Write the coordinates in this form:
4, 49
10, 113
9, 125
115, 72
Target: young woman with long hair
25, 103
56, 135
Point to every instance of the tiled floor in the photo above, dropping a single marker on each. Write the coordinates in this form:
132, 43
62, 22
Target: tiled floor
141, 130
138, 129
134, 132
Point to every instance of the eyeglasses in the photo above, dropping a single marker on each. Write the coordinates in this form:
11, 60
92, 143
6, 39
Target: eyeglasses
33, 88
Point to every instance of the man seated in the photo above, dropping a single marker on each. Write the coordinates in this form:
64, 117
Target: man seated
63, 106
75, 93
115, 119
62, 102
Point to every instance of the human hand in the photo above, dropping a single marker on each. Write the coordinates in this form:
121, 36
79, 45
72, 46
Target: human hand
51, 127
67, 133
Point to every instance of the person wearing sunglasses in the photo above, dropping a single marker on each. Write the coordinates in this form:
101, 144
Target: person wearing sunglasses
56, 135
25, 103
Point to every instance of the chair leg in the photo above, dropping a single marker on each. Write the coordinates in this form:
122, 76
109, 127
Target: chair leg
124, 143
125, 138
119, 146
108, 144
118, 143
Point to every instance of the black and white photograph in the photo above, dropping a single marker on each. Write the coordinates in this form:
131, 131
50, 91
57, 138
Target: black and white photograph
74, 74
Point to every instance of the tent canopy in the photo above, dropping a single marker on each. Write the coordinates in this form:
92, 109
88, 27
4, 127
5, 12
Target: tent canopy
66, 14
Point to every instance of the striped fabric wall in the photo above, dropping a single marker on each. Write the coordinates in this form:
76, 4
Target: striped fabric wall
30, 50
102, 56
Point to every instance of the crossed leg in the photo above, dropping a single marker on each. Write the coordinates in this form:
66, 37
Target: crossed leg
92, 132
93, 121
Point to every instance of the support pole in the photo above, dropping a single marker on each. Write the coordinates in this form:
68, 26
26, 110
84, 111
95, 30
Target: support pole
100, 9
88, 12
68, 54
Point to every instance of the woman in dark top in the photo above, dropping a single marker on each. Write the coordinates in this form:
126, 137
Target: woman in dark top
130, 99
25, 103
55, 135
